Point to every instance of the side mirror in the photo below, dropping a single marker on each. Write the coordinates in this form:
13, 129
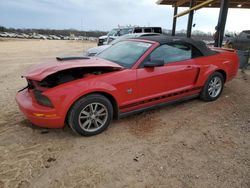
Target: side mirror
154, 63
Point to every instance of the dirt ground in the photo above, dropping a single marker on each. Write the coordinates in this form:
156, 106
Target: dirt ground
190, 144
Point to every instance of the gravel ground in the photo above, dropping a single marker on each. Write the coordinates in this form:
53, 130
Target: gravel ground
190, 144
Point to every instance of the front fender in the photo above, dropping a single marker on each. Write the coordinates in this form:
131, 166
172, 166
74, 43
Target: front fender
64, 96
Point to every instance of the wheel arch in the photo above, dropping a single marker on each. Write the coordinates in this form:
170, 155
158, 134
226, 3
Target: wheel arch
205, 95
208, 73
110, 97
224, 74
113, 101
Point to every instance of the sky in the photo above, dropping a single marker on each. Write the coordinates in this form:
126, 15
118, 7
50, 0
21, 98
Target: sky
107, 14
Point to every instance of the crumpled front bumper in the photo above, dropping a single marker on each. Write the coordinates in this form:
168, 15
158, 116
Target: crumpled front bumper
39, 115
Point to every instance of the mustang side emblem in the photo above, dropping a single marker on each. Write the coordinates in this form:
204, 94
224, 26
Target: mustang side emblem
130, 91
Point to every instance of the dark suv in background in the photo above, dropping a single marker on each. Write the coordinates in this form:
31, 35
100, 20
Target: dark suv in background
239, 42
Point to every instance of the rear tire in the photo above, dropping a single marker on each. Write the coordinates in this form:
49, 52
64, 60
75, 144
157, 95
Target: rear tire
213, 87
90, 115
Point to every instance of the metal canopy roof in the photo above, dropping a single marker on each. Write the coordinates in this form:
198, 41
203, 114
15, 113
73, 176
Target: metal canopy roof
216, 3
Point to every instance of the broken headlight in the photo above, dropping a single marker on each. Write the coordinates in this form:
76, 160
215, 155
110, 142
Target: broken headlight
42, 99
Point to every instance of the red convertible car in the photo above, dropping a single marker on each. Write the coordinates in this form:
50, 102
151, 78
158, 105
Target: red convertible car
130, 76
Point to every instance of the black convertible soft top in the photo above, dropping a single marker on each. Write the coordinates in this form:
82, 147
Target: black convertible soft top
200, 45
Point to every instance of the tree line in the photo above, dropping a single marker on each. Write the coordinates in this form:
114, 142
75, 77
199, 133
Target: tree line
58, 32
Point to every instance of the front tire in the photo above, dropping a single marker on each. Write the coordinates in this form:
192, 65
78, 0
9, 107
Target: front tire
213, 87
90, 115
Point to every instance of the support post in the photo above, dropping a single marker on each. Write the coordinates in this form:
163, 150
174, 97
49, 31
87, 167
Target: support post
218, 37
174, 20
190, 20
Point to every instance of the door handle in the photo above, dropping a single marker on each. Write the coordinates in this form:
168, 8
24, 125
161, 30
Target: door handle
189, 67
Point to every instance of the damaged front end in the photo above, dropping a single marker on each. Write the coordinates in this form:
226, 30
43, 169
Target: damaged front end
45, 104
45, 76
69, 75
38, 87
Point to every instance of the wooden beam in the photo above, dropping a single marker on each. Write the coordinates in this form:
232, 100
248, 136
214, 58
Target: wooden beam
194, 8
181, 2
158, 2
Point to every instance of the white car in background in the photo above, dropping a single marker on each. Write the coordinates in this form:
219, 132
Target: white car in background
96, 50
4, 34
113, 34
118, 32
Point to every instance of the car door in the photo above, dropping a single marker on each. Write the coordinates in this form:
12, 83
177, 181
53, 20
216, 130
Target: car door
178, 73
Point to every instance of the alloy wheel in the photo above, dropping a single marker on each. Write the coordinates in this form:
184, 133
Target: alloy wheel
93, 117
215, 87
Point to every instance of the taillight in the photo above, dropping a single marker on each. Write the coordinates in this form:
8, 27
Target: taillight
42, 99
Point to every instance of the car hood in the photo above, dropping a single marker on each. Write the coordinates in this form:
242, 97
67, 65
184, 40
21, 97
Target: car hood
41, 71
103, 37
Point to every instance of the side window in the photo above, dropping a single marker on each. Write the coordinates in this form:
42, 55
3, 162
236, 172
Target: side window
157, 30
147, 30
137, 30
174, 52
125, 31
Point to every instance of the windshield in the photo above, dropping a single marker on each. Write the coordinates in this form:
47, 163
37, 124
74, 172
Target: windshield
113, 32
125, 31
119, 32
125, 53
